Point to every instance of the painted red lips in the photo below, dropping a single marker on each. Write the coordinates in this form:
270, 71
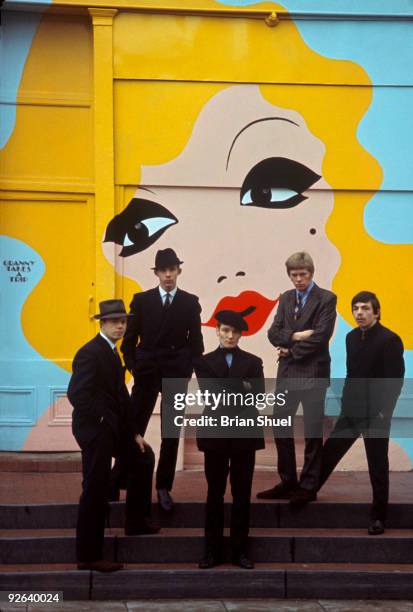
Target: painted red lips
256, 319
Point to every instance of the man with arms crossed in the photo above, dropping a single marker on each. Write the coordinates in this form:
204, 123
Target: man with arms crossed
375, 371
301, 331
103, 427
161, 341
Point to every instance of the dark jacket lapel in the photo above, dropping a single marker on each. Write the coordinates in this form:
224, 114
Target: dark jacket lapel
311, 303
236, 365
290, 305
110, 360
156, 302
218, 363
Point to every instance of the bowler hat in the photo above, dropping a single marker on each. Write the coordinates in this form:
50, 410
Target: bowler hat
111, 309
166, 258
232, 318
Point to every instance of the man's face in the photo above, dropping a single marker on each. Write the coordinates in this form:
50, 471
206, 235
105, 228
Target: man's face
364, 314
168, 277
228, 336
114, 329
301, 278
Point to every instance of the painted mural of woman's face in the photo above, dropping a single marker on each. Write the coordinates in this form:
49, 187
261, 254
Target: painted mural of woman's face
245, 193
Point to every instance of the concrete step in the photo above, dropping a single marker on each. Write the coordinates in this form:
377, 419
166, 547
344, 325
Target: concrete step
292, 581
186, 545
191, 514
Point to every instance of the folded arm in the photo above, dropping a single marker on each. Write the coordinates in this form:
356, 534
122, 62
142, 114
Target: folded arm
323, 328
279, 334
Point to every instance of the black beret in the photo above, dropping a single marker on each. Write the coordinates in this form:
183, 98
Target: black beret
232, 318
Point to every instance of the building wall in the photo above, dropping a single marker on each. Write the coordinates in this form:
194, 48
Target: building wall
231, 141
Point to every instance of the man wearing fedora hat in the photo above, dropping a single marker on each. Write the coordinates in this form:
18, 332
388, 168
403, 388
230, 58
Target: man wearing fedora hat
162, 340
229, 450
104, 427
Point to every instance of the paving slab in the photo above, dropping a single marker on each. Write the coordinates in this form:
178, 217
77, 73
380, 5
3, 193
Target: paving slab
268, 605
200, 605
82, 606
366, 606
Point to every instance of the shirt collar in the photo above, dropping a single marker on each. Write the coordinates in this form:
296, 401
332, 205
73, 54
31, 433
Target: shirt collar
112, 346
371, 330
171, 293
232, 350
305, 293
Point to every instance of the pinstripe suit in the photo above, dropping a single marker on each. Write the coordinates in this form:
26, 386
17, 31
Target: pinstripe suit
305, 373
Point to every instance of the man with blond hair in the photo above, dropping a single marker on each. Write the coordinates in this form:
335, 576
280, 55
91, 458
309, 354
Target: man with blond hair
301, 331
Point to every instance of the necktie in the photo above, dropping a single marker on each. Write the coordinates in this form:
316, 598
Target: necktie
228, 355
298, 306
167, 301
118, 359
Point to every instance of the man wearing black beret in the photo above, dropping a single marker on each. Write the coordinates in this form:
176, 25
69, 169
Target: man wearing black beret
162, 340
233, 371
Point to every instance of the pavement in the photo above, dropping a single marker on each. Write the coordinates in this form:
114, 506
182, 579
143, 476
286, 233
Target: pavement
224, 605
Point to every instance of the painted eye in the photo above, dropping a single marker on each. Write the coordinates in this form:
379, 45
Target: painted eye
139, 226
277, 182
268, 195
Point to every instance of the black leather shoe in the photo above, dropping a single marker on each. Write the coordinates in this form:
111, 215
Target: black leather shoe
376, 527
208, 561
280, 491
301, 497
242, 561
143, 528
165, 500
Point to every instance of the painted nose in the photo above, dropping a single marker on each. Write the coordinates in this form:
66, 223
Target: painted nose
223, 277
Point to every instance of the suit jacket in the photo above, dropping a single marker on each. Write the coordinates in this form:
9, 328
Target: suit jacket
244, 376
166, 339
97, 392
308, 359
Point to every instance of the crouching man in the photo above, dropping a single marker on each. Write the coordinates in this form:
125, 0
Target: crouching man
103, 426
234, 371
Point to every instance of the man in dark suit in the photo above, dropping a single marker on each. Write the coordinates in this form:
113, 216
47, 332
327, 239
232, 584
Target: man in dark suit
301, 331
375, 372
229, 451
161, 341
104, 428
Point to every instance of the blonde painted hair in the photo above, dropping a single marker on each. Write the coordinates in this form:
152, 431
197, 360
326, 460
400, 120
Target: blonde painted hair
281, 60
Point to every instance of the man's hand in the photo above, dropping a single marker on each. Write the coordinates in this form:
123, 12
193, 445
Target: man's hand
140, 442
283, 352
302, 335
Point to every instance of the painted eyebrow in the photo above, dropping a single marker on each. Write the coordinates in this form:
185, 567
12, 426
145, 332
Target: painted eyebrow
145, 189
253, 123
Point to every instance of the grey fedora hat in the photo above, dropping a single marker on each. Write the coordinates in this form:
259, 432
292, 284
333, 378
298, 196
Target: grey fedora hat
111, 309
